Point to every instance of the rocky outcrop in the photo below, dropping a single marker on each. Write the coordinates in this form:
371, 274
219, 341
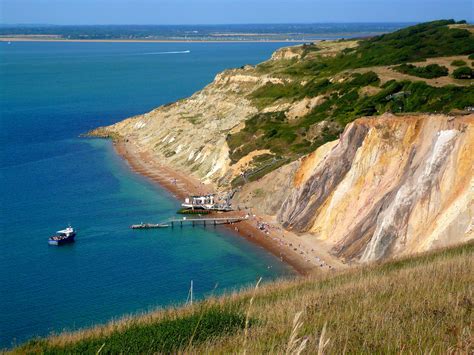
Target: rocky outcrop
390, 186
287, 53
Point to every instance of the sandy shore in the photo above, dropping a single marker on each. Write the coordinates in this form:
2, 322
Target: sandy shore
303, 253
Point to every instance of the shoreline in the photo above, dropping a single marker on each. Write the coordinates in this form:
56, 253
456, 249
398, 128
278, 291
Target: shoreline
27, 39
181, 185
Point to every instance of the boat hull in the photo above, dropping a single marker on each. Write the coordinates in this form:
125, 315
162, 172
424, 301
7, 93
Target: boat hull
58, 242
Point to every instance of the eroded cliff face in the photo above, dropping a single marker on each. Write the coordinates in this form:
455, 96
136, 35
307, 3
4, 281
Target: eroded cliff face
390, 186
267, 194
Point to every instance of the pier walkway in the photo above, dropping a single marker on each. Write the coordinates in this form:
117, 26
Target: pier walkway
181, 222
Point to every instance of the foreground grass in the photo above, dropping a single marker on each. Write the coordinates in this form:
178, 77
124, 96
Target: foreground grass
415, 305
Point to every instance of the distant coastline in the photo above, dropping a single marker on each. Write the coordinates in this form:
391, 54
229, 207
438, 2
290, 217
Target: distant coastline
258, 33
34, 39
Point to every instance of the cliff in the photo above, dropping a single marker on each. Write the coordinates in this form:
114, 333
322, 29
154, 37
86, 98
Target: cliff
190, 134
389, 186
258, 118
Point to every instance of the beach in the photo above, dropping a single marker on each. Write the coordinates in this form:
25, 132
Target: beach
303, 253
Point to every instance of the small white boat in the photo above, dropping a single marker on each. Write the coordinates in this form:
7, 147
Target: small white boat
64, 236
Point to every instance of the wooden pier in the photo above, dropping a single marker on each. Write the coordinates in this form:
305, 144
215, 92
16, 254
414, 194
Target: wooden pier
148, 225
209, 221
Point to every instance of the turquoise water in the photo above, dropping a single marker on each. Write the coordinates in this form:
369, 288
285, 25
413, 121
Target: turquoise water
51, 93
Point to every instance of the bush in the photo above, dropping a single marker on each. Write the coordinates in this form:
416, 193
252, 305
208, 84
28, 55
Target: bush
471, 56
428, 72
369, 78
270, 92
458, 63
463, 73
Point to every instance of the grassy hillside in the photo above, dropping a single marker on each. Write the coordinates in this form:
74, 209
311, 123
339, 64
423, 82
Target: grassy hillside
343, 76
421, 304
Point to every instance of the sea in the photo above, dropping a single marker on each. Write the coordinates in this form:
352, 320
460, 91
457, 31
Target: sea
50, 177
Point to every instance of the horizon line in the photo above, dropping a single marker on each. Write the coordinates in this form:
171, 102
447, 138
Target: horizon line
225, 24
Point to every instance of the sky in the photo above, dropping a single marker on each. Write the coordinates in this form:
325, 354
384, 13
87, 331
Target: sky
164, 12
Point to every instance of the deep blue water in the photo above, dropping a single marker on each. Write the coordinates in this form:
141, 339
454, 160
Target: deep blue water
49, 177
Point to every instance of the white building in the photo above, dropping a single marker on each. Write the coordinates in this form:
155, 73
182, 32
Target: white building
200, 202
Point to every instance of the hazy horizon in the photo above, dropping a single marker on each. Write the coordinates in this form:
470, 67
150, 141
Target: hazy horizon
228, 12
221, 24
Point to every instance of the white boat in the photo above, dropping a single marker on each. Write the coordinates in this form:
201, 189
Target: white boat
63, 236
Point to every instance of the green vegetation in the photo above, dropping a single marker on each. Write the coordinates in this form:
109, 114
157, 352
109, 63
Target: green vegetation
343, 104
428, 72
419, 304
291, 139
270, 92
415, 43
471, 56
458, 63
463, 73
346, 91
166, 336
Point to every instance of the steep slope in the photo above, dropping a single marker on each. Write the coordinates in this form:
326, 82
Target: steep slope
255, 119
390, 186
420, 304
191, 134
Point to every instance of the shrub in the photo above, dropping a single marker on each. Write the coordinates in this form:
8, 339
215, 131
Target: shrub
365, 79
471, 56
428, 72
463, 73
458, 63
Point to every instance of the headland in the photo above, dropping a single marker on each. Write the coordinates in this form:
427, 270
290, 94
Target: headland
332, 149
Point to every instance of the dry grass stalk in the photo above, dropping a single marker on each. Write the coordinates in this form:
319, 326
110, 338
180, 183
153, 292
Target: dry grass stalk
247, 316
100, 349
296, 345
323, 342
